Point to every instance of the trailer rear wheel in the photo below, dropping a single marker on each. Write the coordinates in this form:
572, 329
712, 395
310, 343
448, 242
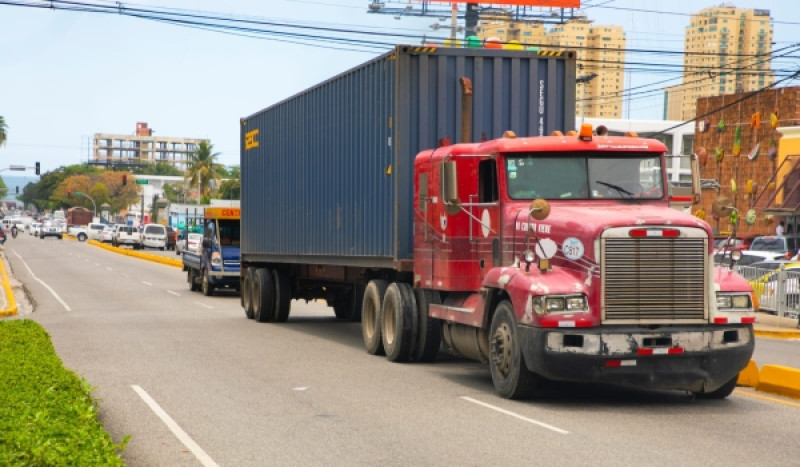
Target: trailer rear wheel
399, 322
371, 314
720, 393
283, 294
263, 295
429, 330
510, 376
247, 297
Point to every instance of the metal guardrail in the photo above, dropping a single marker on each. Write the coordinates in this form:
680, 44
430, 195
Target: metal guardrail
777, 290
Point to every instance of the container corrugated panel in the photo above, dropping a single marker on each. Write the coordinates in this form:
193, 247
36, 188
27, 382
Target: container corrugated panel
327, 174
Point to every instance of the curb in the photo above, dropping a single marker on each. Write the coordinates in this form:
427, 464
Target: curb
774, 379
124, 251
11, 304
777, 333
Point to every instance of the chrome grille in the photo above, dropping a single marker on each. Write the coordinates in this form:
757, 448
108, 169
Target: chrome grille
654, 278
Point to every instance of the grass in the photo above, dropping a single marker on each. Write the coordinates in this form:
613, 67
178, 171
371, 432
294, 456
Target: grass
47, 413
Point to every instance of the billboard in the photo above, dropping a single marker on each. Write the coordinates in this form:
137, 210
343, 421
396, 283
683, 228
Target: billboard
539, 3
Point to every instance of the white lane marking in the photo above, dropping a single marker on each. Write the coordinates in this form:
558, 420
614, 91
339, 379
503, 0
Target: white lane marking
62, 302
184, 438
146, 283
97, 264
204, 305
174, 293
516, 415
109, 268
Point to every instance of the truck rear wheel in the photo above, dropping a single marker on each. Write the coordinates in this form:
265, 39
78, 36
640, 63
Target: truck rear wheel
371, 314
510, 376
429, 330
720, 393
263, 295
247, 297
283, 295
207, 287
399, 322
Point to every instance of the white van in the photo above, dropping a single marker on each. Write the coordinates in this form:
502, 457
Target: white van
95, 230
154, 236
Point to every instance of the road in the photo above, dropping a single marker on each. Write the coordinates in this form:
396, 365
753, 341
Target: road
193, 382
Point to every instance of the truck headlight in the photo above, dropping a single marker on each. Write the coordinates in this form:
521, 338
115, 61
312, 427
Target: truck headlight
216, 259
563, 304
731, 301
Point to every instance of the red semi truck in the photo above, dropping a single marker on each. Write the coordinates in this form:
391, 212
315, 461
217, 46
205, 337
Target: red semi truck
549, 257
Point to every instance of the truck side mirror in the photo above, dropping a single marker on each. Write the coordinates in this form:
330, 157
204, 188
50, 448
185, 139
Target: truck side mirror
696, 189
452, 203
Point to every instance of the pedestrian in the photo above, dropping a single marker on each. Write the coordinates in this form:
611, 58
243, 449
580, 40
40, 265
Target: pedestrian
779, 229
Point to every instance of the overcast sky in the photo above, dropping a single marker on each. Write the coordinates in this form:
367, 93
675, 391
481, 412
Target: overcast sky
65, 76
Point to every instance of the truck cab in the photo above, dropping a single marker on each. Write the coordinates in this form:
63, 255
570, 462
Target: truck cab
560, 257
216, 265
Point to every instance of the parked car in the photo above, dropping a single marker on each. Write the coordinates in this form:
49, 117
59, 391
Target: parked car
774, 243
740, 242
748, 257
193, 242
154, 236
51, 229
36, 228
107, 235
127, 235
172, 238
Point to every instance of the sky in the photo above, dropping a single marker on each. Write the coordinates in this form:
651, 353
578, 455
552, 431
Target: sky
65, 76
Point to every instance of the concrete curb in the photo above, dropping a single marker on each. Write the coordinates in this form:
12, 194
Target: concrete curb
774, 379
777, 333
124, 251
11, 304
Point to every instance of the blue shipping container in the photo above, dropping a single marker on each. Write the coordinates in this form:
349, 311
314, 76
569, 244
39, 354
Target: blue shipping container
327, 174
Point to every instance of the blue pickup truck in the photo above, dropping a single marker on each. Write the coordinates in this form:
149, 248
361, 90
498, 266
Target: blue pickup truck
216, 265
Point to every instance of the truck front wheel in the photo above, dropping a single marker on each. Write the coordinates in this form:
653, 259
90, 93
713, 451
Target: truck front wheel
263, 293
510, 376
207, 287
399, 322
429, 331
371, 316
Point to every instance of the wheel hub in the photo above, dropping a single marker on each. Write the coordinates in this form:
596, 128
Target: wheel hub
501, 349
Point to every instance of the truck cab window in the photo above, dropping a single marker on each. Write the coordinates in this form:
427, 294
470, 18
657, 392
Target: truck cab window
487, 181
552, 177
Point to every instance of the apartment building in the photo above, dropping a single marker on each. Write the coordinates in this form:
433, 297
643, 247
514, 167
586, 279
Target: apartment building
113, 150
727, 50
600, 51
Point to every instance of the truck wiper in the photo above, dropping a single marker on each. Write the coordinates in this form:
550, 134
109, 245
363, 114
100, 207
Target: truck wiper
615, 187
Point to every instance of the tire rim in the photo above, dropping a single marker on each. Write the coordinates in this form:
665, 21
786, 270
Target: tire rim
501, 349
389, 317
370, 319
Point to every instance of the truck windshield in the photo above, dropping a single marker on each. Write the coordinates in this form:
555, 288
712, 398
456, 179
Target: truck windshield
584, 176
229, 232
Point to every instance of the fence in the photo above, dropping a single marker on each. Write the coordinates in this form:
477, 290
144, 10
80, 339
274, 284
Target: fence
776, 289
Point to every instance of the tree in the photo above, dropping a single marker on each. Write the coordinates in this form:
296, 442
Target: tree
203, 168
159, 168
3, 131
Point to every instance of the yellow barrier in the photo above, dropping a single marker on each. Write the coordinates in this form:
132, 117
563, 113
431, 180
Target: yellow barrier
11, 308
779, 379
749, 376
150, 257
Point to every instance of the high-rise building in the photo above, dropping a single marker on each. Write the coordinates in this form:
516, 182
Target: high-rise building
113, 150
727, 50
600, 51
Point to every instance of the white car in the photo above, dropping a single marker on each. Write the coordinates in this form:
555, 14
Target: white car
154, 236
107, 235
193, 243
36, 228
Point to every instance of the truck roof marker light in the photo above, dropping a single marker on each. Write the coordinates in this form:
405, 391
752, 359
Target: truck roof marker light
572, 133
669, 233
586, 132
508, 134
556, 133
631, 134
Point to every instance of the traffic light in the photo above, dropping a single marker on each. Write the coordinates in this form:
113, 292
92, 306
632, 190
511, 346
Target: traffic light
38, 168
124, 179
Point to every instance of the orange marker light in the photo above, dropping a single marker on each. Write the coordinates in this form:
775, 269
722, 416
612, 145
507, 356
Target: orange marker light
586, 132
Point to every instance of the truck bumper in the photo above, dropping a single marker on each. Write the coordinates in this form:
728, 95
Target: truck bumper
676, 358
219, 278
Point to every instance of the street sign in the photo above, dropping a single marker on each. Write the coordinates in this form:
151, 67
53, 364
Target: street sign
141, 182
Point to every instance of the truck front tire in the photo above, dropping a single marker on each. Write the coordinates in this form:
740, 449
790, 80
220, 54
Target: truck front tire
510, 376
206, 286
429, 330
399, 322
724, 391
371, 316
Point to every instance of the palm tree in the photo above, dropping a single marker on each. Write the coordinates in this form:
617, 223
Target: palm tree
3, 131
203, 168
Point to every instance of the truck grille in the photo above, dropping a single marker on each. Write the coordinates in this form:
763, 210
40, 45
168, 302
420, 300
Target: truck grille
654, 278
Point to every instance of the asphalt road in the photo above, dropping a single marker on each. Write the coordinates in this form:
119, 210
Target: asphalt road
193, 382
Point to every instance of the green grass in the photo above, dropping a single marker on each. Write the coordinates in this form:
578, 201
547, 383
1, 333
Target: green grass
47, 413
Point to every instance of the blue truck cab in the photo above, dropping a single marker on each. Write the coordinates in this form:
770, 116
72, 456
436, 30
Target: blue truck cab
217, 264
